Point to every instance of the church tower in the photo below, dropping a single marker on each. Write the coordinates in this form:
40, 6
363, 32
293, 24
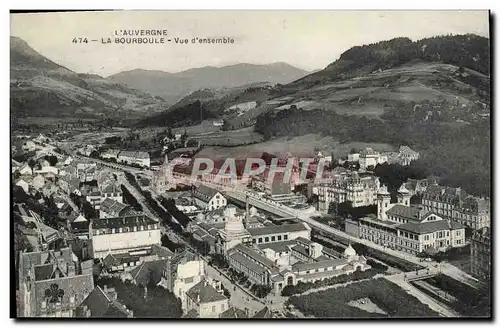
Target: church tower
383, 201
403, 196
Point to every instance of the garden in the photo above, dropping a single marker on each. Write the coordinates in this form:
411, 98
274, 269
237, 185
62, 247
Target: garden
333, 303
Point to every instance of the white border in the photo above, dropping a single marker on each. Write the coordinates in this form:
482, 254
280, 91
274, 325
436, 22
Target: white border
196, 5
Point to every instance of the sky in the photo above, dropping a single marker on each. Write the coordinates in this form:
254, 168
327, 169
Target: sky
306, 39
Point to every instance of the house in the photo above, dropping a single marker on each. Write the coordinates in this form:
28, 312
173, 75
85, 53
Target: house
50, 284
23, 184
208, 198
123, 234
112, 191
25, 169
134, 157
265, 313
369, 158
418, 187
148, 272
111, 208
206, 300
110, 153
233, 313
123, 262
183, 271
103, 303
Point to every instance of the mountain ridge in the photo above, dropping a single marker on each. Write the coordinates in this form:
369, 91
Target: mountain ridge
174, 86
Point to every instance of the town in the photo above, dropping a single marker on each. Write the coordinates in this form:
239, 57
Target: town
93, 225
275, 165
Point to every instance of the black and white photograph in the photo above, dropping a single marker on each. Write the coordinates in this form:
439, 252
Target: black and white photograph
250, 165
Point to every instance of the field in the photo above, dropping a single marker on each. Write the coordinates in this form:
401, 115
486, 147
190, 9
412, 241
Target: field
299, 146
229, 138
382, 299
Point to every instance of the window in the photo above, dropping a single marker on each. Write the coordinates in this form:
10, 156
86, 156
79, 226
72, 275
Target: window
273, 238
266, 239
253, 241
285, 237
260, 240
213, 308
279, 238
457, 233
222, 307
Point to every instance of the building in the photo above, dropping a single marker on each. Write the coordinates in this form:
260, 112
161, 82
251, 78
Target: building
405, 156
369, 158
111, 208
206, 300
457, 205
111, 191
208, 198
409, 228
418, 187
183, 271
103, 303
123, 234
481, 253
23, 184
110, 153
123, 262
233, 313
50, 284
134, 157
359, 189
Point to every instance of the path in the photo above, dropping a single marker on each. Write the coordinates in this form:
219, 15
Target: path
439, 307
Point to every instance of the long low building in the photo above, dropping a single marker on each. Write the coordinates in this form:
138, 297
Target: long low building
123, 234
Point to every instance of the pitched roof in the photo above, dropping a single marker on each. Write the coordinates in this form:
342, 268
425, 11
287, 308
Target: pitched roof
317, 265
283, 246
275, 229
124, 221
204, 193
264, 313
101, 304
431, 226
191, 314
233, 313
148, 270
205, 292
115, 208
408, 212
161, 251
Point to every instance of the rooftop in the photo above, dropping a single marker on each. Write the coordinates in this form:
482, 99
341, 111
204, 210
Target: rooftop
432, 226
124, 221
318, 265
275, 229
203, 292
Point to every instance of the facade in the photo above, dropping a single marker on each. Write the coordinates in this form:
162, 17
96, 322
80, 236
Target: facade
481, 253
50, 284
208, 199
358, 189
370, 158
206, 299
408, 228
455, 204
134, 157
418, 187
113, 192
123, 234
405, 156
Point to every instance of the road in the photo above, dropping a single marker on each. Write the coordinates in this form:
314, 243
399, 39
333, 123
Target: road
435, 305
239, 298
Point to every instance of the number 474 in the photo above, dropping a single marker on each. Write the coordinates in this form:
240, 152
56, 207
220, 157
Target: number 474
80, 40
